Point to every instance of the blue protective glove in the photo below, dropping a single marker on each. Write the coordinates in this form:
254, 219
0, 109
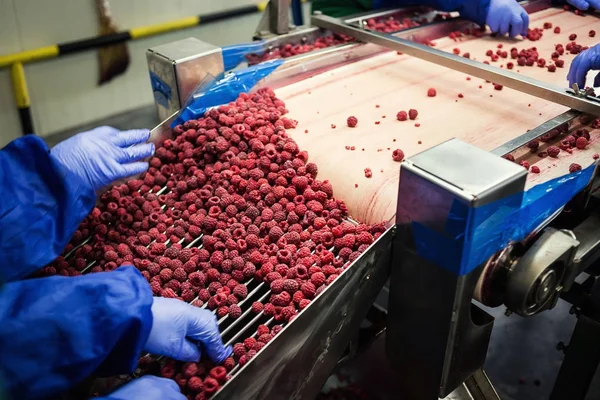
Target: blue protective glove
104, 155
585, 4
585, 61
178, 327
147, 388
507, 16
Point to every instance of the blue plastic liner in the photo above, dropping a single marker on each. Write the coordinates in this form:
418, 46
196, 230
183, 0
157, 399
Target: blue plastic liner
472, 235
234, 55
225, 90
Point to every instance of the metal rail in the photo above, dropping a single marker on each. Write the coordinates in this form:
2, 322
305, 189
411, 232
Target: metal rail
500, 76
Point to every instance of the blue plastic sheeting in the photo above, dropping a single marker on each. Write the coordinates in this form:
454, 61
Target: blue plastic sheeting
472, 235
234, 55
226, 90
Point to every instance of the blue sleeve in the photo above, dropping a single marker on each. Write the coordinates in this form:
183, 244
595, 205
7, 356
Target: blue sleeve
42, 206
56, 331
473, 10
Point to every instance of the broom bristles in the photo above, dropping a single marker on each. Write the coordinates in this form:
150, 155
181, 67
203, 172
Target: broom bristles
113, 59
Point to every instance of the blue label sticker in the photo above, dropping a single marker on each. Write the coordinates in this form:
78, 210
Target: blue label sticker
162, 91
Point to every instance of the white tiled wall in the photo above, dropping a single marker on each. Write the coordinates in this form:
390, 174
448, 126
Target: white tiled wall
63, 91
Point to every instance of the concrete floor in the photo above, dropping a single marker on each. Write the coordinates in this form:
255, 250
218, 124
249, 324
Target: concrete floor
521, 348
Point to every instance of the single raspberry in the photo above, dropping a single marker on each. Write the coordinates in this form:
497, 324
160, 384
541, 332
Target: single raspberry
211, 385
525, 164
574, 167
412, 114
557, 29
303, 304
239, 350
282, 299
168, 371
553, 151
262, 329
592, 33
257, 307
180, 275
240, 291
498, 86
250, 343
431, 92
581, 143
288, 312
111, 256
290, 285
535, 169
235, 311
572, 36
229, 363
364, 238
352, 121
277, 286
265, 338
243, 360
189, 369
222, 311
308, 289
398, 155
218, 373
318, 279
402, 116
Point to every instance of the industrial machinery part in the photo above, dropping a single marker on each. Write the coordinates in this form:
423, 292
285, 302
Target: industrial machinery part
440, 190
176, 69
443, 351
275, 20
504, 77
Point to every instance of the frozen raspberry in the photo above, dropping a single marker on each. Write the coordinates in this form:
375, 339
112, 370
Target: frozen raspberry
553, 151
572, 36
282, 299
257, 307
581, 143
303, 303
557, 29
318, 279
535, 169
189, 369
352, 122
250, 343
431, 92
290, 285
525, 164
402, 116
574, 167
218, 373
368, 172
211, 385
398, 155
277, 286
497, 86
412, 114
288, 312
239, 350
222, 311
265, 338
262, 329
592, 33
111, 256
235, 311
240, 291
308, 289
596, 156
168, 371
229, 363
559, 63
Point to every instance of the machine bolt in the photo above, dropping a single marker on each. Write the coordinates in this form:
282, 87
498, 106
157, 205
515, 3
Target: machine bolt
574, 310
560, 346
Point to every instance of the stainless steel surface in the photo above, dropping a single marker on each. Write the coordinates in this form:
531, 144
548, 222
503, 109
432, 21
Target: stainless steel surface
448, 336
455, 165
275, 19
163, 131
180, 66
480, 387
536, 132
536, 279
588, 234
296, 364
488, 72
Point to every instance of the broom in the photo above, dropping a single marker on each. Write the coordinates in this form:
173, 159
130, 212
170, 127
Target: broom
113, 59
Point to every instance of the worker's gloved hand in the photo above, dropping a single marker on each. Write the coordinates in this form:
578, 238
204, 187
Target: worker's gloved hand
148, 388
507, 16
585, 4
178, 327
586, 60
104, 155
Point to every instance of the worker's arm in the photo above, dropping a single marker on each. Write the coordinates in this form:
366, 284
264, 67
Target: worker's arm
502, 16
47, 193
42, 205
56, 331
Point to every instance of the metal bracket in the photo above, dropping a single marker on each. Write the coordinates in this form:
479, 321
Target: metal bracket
275, 20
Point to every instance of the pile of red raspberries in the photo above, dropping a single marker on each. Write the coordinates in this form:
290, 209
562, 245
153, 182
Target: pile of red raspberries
241, 192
